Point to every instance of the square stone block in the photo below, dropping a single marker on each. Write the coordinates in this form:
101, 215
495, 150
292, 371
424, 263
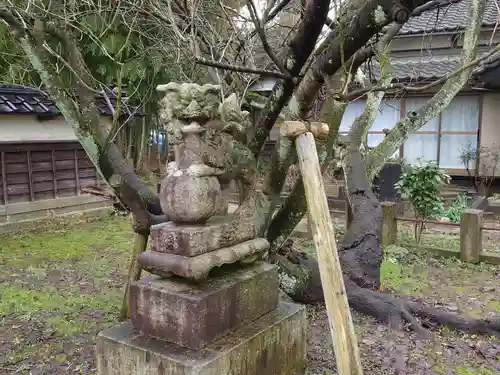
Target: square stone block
275, 344
191, 240
194, 315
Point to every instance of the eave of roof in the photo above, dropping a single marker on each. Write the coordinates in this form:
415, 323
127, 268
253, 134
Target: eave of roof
17, 99
429, 68
449, 18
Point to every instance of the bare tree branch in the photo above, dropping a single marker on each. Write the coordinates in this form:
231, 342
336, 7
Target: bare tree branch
297, 53
262, 35
348, 38
242, 69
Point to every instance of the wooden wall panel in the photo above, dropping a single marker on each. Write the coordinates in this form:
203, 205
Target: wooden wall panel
39, 156
64, 155
87, 182
35, 171
16, 158
44, 195
64, 174
43, 176
87, 173
85, 163
66, 192
3, 184
18, 198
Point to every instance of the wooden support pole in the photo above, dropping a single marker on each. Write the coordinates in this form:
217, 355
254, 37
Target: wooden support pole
471, 235
389, 224
339, 316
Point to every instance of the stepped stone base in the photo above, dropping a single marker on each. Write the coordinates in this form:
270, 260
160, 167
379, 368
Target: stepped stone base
194, 315
275, 344
198, 268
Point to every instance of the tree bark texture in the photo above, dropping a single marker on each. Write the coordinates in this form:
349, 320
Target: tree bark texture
360, 254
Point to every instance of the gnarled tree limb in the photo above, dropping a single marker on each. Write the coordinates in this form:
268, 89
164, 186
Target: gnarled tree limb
359, 20
299, 49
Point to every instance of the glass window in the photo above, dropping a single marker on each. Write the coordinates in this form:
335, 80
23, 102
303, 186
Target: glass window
461, 115
451, 146
421, 146
388, 115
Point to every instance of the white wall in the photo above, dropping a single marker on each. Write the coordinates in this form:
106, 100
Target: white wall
27, 128
490, 129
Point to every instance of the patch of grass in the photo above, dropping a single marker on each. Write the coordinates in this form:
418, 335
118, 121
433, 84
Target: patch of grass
391, 273
55, 277
469, 370
66, 325
462, 370
72, 243
438, 239
439, 370
403, 278
25, 302
494, 305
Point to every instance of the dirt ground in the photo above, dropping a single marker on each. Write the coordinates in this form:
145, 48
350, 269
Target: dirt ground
62, 284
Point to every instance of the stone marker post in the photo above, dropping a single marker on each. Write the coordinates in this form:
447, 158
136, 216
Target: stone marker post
471, 235
211, 306
389, 224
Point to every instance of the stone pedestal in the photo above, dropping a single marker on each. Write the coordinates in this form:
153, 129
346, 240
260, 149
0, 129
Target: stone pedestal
194, 315
274, 344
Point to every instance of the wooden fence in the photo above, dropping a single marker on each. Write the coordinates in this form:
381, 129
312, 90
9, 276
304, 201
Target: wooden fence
471, 235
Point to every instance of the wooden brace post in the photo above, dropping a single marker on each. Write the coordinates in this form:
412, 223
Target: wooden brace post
339, 316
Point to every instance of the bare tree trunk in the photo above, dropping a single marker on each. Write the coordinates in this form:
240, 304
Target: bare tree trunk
141, 164
130, 142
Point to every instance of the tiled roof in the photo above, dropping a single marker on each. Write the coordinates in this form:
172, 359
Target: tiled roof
428, 68
30, 100
425, 68
449, 18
